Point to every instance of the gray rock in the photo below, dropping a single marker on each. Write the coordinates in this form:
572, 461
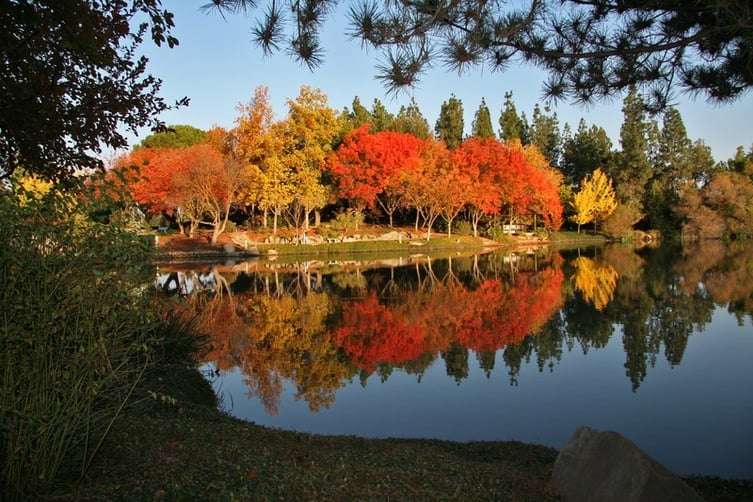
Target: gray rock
605, 466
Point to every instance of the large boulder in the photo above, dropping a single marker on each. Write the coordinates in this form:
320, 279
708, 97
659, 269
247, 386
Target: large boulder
605, 466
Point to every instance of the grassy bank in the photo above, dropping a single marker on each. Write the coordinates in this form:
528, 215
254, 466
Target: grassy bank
186, 451
379, 240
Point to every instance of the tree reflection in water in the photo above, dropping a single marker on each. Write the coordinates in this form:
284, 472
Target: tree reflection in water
320, 325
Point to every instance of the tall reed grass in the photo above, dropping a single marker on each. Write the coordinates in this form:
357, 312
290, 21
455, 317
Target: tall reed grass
78, 331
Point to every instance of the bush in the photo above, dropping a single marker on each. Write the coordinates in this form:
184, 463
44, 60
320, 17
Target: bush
495, 231
462, 227
78, 332
347, 221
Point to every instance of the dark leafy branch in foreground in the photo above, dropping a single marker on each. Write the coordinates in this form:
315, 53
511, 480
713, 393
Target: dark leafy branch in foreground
591, 49
71, 81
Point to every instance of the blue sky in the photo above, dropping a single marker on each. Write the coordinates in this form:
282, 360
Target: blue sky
217, 66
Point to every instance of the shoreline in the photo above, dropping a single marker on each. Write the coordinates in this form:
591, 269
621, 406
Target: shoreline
188, 448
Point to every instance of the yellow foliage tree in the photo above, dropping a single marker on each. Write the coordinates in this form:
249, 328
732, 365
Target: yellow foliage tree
595, 201
307, 136
284, 159
28, 186
597, 281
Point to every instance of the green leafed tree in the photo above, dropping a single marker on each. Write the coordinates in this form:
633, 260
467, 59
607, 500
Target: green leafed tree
546, 135
511, 125
410, 120
175, 136
589, 148
381, 118
672, 169
356, 117
632, 169
450, 124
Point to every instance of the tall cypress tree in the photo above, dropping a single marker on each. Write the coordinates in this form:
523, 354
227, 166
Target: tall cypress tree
545, 134
482, 122
449, 126
673, 166
674, 147
410, 120
633, 169
511, 125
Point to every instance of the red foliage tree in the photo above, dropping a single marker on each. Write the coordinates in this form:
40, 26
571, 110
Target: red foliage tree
371, 332
480, 159
190, 183
367, 166
503, 178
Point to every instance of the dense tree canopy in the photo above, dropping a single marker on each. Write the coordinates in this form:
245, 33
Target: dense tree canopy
70, 82
590, 48
175, 136
391, 168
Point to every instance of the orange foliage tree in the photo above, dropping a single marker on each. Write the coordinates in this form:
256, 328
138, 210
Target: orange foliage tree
367, 167
480, 158
486, 318
196, 183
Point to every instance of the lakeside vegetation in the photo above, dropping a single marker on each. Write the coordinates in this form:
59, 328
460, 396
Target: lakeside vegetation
185, 449
100, 398
156, 425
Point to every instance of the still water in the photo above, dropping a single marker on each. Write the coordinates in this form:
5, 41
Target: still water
656, 344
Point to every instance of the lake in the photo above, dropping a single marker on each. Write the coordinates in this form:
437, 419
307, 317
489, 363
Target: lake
655, 343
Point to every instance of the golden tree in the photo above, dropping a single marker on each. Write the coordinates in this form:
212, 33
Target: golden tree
595, 201
307, 135
595, 280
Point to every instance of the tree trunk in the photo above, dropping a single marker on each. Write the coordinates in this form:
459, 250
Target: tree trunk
306, 215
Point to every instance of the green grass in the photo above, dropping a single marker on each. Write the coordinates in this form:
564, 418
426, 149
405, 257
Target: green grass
439, 243
587, 236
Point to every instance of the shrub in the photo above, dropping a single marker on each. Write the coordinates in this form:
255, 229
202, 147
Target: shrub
495, 230
347, 221
78, 331
462, 227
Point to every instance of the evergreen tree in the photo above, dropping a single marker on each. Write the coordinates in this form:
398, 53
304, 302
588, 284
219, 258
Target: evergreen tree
737, 163
381, 119
355, 118
704, 166
511, 125
545, 134
674, 148
175, 136
590, 49
632, 170
410, 120
449, 126
588, 149
482, 122
671, 170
